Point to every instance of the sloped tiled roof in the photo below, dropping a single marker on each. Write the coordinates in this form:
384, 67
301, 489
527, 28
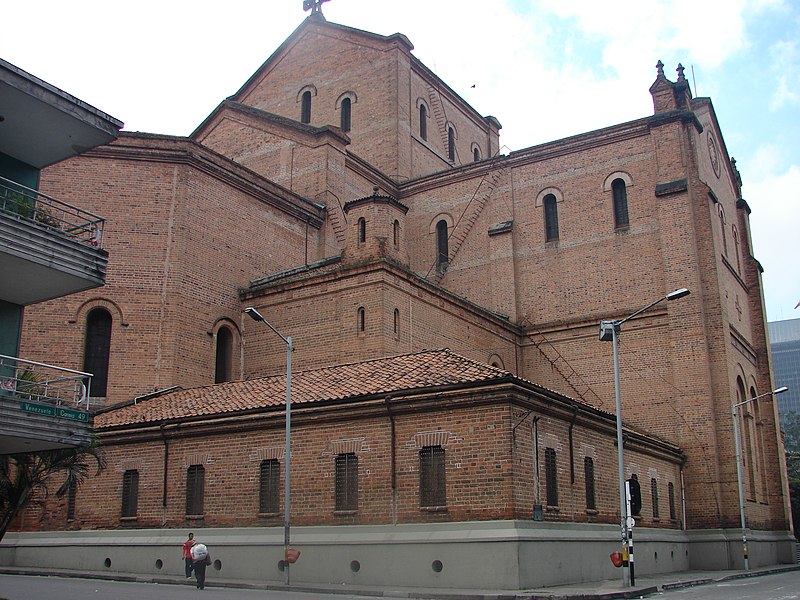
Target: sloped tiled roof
381, 376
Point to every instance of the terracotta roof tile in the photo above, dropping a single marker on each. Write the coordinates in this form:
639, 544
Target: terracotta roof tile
381, 376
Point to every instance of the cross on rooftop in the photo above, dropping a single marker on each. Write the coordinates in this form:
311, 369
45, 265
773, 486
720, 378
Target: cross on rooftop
315, 6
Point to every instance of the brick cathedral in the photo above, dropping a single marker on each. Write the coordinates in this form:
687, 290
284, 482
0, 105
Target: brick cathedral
453, 414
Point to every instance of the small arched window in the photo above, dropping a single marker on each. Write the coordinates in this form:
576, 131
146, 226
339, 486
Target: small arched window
346, 106
305, 107
396, 325
362, 230
224, 355
396, 233
442, 250
451, 144
620, 193
735, 235
362, 320
550, 218
476, 154
721, 214
97, 349
423, 122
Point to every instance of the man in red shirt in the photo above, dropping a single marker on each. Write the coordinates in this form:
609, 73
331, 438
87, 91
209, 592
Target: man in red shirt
187, 555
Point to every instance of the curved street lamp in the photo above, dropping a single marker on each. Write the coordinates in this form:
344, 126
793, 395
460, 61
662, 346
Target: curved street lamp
256, 316
739, 468
609, 331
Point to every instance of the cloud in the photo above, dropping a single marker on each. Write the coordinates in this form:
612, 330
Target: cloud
775, 204
785, 67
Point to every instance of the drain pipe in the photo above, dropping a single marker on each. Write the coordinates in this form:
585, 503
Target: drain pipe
393, 434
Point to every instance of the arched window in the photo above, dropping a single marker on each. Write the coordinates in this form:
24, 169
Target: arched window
442, 250
346, 114
550, 218
736, 248
423, 122
223, 367
746, 442
362, 320
721, 215
362, 230
451, 144
620, 194
305, 107
588, 471
97, 349
476, 154
396, 325
396, 233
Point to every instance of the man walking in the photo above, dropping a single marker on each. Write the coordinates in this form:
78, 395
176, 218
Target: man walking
187, 555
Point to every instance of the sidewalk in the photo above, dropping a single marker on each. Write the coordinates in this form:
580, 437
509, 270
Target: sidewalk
599, 590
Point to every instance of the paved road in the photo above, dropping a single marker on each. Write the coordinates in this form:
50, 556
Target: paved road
783, 586
24, 587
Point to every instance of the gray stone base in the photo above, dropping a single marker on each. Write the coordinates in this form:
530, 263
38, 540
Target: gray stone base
491, 555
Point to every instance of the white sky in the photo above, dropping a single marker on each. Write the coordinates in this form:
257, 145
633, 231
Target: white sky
545, 68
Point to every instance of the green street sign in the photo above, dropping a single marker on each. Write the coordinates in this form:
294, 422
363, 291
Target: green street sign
38, 409
49, 410
75, 415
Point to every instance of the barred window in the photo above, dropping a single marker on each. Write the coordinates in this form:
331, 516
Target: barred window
671, 492
551, 476
346, 492
654, 494
432, 477
130, 493
195, 489
269, 490
588, 471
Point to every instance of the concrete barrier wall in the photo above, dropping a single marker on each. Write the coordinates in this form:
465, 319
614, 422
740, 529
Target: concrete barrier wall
478, 555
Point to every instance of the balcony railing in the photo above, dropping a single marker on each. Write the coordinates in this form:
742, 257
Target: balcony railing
35, 382
31, 205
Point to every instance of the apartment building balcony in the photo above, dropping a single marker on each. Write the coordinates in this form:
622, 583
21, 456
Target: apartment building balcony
48, 248
42, 407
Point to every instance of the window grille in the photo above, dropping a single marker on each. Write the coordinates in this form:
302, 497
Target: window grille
195, 489
346, 492
654, 494
432, 477
130, 493
671, 493
269, 486
588, 471
72, 491
551, 476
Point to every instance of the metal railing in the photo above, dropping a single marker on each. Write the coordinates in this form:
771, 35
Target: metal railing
31, 205
39, 382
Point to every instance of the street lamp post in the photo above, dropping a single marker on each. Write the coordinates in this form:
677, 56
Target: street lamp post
739, 468
609, 331
256, 316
